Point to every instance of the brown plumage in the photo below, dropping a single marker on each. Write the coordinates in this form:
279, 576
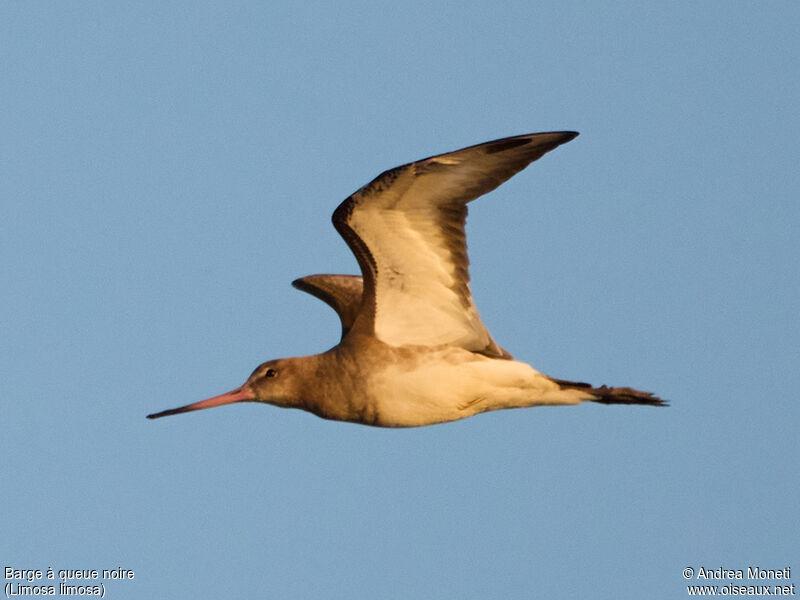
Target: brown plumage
414, 350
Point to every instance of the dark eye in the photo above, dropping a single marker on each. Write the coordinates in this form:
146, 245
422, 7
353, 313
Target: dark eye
270, 373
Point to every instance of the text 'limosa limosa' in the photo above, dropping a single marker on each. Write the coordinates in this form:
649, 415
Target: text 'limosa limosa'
414, 350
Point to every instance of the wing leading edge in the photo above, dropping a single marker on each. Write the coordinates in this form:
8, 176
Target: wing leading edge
406, 229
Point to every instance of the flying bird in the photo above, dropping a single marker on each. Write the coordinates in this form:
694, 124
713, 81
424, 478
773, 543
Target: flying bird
413, 349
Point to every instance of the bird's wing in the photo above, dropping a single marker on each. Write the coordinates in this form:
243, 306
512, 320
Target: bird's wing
406, 228
341, 292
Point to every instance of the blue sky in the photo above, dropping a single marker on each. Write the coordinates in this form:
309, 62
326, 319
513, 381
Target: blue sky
166, 169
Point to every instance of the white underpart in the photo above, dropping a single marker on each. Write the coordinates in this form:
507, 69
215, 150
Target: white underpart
444, 388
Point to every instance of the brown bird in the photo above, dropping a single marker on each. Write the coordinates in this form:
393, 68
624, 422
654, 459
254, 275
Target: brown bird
414, 350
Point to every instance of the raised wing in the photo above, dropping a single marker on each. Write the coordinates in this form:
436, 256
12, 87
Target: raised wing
341, 292
406, 228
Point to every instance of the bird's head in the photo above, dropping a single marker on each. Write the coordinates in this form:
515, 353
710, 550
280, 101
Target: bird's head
273, 382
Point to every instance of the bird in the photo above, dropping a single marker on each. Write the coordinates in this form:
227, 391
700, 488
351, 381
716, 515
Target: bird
413, 349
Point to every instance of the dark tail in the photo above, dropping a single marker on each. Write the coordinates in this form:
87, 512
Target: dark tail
613, 395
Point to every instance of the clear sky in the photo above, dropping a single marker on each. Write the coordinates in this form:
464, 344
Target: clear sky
167, 168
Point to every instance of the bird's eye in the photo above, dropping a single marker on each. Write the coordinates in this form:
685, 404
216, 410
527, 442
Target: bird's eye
270, 373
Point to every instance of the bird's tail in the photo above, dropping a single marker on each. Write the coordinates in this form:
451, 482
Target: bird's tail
613, 395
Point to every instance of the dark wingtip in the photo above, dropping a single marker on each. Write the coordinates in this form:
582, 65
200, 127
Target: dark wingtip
566, 136
504, 144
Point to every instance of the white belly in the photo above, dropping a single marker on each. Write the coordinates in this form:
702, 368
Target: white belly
453, 384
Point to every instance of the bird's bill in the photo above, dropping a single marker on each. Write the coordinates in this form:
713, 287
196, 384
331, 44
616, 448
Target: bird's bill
242, 394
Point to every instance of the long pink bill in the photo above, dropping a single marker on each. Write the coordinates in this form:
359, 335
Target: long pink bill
242, 394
